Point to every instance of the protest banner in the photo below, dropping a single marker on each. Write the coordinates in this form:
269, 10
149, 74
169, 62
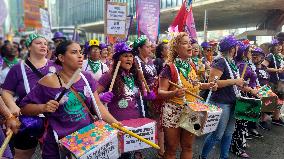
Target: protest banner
148, 12
32, 13
45, 23
116, 19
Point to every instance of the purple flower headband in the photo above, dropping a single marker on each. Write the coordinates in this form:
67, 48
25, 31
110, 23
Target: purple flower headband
121, 48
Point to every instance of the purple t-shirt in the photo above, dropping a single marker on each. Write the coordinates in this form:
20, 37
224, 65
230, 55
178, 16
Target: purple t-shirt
71, 115
124, 106
14, 80
262, 75
273, 76
249, 74
149, 71
224, 95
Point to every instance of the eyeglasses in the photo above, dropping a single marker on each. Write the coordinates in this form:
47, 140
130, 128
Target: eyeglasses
95, 50
208, 49
58, 41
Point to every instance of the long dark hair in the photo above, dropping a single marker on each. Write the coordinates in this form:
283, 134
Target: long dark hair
4, 49
159, 49
119, 89
61, 49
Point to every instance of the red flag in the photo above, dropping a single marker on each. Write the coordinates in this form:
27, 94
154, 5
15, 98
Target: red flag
180, 18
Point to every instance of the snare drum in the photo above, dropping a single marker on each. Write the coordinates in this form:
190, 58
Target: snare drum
200, 118
268, 99
248, 109
95, 140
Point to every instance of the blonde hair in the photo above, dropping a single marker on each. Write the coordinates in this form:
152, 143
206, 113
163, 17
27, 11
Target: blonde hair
173, 43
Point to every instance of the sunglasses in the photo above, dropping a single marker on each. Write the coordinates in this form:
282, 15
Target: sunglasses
58, 41
208, 49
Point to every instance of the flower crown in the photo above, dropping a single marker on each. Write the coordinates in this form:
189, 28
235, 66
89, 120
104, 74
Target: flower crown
172, 32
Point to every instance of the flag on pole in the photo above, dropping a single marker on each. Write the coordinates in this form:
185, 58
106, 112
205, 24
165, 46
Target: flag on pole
190, 24
205, 25
184, 19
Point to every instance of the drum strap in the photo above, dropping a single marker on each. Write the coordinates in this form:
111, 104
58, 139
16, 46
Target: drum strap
82, 102
179, 82
92, 96
253, 69
274, 60
25, 78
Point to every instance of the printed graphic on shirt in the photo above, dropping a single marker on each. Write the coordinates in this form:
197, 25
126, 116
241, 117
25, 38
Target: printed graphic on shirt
73, 107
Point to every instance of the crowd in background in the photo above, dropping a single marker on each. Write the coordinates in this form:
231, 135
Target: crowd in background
34, 71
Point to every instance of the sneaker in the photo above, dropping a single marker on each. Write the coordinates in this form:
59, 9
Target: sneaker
264, 125
243, 155
278, 122
255, 133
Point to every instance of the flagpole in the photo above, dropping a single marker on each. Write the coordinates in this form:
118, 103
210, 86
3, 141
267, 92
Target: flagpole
137, 20
205, 25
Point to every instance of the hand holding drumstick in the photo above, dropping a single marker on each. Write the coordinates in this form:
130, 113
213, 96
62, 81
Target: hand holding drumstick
192, 94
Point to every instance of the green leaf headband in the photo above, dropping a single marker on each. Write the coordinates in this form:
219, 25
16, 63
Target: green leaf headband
139, 42
31, 37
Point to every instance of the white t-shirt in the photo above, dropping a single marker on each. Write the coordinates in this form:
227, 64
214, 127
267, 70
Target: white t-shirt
103, 69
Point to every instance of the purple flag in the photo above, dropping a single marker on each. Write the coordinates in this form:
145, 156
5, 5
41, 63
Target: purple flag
148, 18
190, 24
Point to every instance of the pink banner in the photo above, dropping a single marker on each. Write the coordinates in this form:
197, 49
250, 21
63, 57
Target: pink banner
148, 18
190, 24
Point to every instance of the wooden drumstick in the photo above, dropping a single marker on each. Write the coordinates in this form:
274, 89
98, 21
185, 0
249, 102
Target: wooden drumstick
145, 82
192, 94
210, 92
69, 84
114, 76
135, 135
5, 143
244, 70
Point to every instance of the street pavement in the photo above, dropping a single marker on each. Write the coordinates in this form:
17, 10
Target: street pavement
268, 147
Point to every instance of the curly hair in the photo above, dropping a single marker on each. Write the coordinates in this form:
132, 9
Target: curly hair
173, 43
119, 89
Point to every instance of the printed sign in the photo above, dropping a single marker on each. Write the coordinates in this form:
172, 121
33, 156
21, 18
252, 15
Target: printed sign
117, 12
116, 27
116, 19
107, 150
212, 121
143, 127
